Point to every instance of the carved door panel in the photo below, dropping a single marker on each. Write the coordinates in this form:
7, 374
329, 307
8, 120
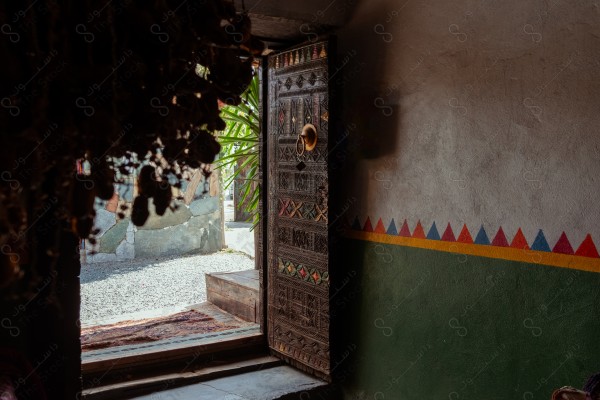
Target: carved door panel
298, 244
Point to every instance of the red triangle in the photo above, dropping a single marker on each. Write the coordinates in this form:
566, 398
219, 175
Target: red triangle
404, 231
379, 228
519, 241
448, 235
368, 227
419, 232
465, 235
563, 245
500, 239
587, 248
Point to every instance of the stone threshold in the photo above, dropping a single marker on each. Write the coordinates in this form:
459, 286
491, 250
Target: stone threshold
261, 378
270, 383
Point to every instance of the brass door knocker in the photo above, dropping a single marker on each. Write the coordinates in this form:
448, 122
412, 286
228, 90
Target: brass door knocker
307, 139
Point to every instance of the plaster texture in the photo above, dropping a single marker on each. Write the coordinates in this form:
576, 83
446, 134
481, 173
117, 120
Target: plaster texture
476, 113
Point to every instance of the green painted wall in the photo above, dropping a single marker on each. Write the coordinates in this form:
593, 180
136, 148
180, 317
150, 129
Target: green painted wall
423, 324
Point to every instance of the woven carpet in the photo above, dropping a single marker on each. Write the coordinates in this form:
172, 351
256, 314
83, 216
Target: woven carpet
149, 330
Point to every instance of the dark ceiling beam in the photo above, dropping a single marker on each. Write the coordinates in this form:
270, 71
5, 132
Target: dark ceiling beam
283, 22
279, 31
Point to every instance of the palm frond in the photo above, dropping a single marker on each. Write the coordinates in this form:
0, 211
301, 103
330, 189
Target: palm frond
239, 149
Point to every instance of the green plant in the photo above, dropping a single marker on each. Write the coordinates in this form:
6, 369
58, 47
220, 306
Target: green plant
239, 148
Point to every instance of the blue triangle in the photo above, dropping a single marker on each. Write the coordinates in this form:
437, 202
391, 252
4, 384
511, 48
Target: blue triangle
540, 243
392, 228
356, 225
433, 233
482, 237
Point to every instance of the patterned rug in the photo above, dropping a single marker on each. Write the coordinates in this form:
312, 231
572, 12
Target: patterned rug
149, 330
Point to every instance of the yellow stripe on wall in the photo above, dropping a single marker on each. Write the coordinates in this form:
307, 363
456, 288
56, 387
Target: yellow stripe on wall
503, 253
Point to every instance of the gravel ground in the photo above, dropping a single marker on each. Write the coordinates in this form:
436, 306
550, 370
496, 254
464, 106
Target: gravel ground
115, 288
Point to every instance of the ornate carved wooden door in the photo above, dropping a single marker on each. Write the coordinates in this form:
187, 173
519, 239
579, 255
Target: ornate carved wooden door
298, 244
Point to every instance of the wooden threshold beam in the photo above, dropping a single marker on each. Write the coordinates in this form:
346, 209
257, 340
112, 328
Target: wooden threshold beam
178, 354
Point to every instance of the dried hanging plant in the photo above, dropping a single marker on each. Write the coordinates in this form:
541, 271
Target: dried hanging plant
101, 81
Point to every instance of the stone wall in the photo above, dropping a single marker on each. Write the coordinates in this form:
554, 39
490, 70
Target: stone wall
194, 225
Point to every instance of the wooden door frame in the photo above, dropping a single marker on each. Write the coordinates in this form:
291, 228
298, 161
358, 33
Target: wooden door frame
262, 263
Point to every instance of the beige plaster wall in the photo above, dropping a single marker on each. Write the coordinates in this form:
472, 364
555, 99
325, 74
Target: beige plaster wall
476, 112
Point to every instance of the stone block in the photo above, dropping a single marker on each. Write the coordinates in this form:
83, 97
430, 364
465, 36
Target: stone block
104, 221
203, 206
109, 242
171, 218
125, 251
130, 235
201, 234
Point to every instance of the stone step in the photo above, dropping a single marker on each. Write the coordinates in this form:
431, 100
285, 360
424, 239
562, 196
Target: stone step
235, 293
275, 383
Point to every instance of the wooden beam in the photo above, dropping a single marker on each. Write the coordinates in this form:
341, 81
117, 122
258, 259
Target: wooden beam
281, 31
174, 351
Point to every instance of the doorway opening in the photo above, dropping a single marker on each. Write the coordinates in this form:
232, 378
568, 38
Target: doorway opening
294, 247
184, 280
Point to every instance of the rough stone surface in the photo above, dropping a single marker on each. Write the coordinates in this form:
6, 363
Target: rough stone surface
265, 384
130, 235
178, 217
104, 221
193, 229
113, 237
125, 251
204, 206
201, 234
101, 257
